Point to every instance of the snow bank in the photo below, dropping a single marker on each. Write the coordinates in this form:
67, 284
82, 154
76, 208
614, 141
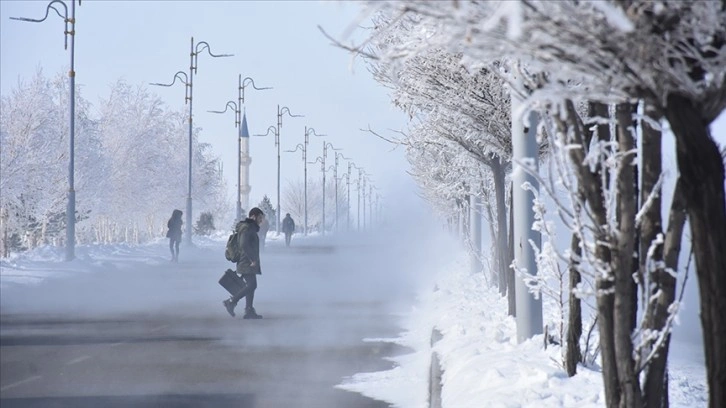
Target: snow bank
483, 364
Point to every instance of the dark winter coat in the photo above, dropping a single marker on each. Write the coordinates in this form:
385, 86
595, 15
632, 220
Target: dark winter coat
175, 226
249, 247
288, 225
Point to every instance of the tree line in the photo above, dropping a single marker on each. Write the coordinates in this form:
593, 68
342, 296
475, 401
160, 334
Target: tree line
609, 81
130, 165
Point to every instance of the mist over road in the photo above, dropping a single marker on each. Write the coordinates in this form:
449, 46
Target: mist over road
141, 331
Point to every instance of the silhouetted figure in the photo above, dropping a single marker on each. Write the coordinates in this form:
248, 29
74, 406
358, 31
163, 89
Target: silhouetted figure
249, 264
175, 234
288, 227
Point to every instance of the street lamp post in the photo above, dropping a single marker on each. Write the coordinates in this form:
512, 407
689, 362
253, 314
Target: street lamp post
350, 167
360, 177
276, 132
71, 208
241, 84
188, 82
364, 202
335, 175
370, 204
304, 148
325, 155
237, 122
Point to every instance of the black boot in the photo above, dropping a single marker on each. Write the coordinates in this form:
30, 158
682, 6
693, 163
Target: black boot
229, 305
251, 314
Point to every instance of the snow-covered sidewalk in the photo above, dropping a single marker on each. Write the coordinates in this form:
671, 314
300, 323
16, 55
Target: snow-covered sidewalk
485, 367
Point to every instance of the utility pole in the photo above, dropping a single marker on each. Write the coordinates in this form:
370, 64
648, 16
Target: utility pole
475, 232
525, 150
71, 206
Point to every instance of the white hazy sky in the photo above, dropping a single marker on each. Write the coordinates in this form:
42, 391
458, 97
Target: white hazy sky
275, 42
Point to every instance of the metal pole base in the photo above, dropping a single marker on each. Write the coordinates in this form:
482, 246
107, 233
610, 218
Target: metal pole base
71, 226
188, 238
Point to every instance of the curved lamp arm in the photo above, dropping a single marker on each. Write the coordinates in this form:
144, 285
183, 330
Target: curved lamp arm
184, 81
317, 160
231, 104
285, 110
50, 7
313, 132
271, 128
298, 147
341, 155
252, 81
205, 46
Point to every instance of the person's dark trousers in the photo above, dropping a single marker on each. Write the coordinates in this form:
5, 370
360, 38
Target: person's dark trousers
248, 292
174, 248
288, 237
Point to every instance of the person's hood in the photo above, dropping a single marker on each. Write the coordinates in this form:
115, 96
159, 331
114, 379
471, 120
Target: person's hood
248, 223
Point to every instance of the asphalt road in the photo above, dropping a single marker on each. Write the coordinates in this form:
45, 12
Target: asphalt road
143, 332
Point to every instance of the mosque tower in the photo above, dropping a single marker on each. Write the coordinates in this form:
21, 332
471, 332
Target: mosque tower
244, 168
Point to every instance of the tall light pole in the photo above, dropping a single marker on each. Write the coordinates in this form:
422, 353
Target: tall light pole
304, 148
242, 126
276, 131
335, 175
325, 155
71, 208
370, 203
525, 149
360, 179
237, 123
347, 176
364, 202
189, 81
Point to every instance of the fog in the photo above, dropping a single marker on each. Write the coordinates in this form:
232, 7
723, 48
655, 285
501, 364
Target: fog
124, 320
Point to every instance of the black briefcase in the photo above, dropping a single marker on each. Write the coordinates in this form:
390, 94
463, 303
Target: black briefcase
232, 282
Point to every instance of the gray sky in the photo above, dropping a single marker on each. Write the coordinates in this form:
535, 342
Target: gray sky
275, 42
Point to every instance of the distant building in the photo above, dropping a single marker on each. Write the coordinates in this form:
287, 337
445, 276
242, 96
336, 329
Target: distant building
244, 168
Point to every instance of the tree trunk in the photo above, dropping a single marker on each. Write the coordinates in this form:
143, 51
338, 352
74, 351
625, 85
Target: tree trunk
635, 264
502, 254
511, 294
702, 171
656, 379
590, 183
659, 282
573, 354
493, 234
622, 262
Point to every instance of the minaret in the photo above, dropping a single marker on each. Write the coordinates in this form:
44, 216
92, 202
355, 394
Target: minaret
244, 166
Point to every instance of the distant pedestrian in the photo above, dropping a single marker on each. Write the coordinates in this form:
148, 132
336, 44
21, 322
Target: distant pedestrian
248, 265
174, 234
288, 227
264, 227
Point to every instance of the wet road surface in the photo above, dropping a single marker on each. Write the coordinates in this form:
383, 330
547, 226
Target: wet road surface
154, 334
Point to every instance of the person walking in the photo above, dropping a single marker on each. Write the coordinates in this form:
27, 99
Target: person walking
288, 227
174, 234
248, 265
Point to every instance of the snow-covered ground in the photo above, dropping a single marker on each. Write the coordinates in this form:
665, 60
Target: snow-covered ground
483, 364
485, 367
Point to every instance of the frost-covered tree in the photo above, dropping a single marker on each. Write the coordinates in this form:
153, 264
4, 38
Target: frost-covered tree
34, 157
472, 104
130, 166
668, 53
147, 148
266, 206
